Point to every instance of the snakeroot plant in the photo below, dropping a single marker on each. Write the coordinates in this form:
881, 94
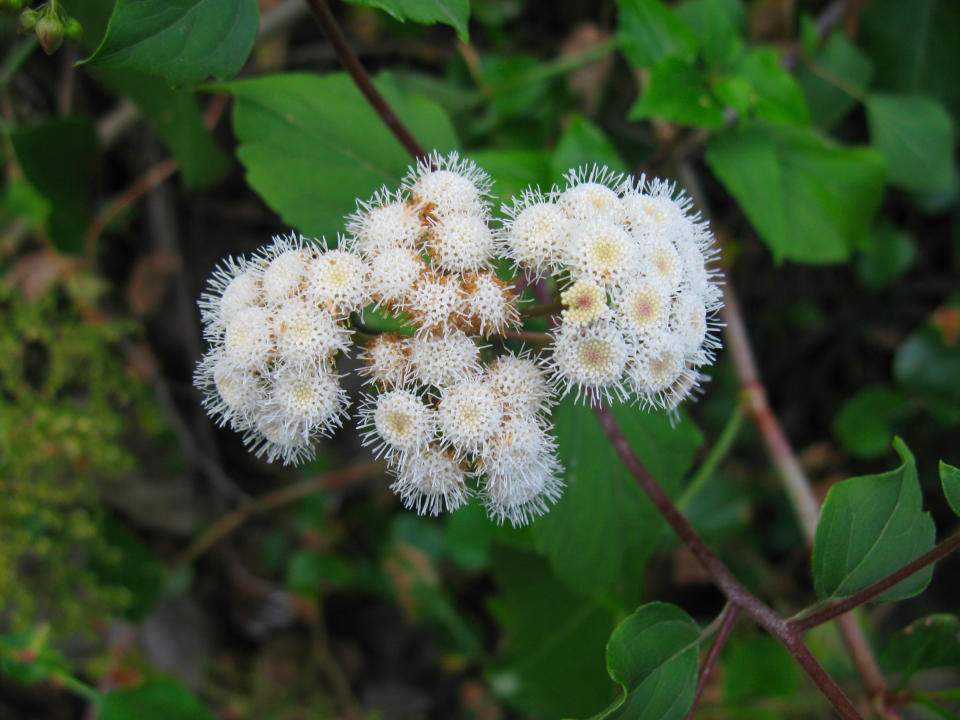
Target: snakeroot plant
452, 415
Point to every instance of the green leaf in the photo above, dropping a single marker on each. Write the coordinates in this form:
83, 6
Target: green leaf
455, 13
755, 667
714, 22
865, 423
515, 170
927, 365
950, 479
870, 526
678, 92
599, 534
583, 143
915, 135
312, 145
653, 654
179, 122
838, 63
810, 199
931, 642
57, 157
776, 96
183, 41
649, 31
128, 562
551, 665
889, 256
913, 47
156, 699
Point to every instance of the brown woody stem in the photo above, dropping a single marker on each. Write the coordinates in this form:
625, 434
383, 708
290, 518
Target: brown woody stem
727, 619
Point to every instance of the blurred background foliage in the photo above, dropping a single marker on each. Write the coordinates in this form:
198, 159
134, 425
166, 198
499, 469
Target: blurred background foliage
821, 139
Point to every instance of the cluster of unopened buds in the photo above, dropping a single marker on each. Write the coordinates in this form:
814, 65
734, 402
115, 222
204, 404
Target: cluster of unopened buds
452, 404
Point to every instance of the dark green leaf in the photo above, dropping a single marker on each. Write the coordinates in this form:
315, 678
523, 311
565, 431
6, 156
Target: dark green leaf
653, 654
915, 135
837, 65
913, 47
810, 199
178, 121
891, 254
126, 561
926, 364
551, 664
649, 31
950, 479
678, 92
58, 156
757, 666
184, 41
865, 423
515, 170
931, 642
94, 15
869, 526
714, 22
775, 94
312, 145
583, 143
455, 13
600, 532
157, 699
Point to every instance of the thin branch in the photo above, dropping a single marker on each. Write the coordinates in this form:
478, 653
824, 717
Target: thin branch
941, 550
326, 20
539, 338
540, 310
270, 501
727, 620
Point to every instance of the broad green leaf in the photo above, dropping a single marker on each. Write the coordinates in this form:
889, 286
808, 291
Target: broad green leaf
837, 65
870, 526
183, 41
178, 121
714, 22
915, 135
599, 534
756, 667
950, 479
514, 170
913, 47
157, 699
551, 665
653, 654
931, 642
810, 199
775, 96
891, 254
312, 145
583, 143
455, 13
58, 157
928, 365
94, 15
865, 423
677, 91
649, 31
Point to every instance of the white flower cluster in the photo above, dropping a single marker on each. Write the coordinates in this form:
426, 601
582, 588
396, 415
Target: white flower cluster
633, 267
452, 418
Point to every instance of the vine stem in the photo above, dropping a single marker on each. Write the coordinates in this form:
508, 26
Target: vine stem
727, 620
352, 64
736, 593
835, 610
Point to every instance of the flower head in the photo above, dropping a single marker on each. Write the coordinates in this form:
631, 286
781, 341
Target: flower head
441, 185
430, 481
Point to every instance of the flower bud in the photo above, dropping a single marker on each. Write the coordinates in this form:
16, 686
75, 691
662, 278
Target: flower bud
12, 7
28, 21
72, 30
50, 33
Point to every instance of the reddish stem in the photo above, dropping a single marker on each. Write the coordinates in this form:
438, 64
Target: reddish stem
727, 620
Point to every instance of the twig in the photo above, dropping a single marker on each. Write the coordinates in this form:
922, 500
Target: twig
271, 500
540, 338
326, 20
540, 310
727, 620
835, 610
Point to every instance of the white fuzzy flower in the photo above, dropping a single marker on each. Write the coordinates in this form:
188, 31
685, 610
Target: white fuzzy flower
234, 285
385, 360
284, 268
642, 309
590, 195
434, 303
470, 414
601, 250
584, 302
460, 241
231, 395
688, 322
440, 185
520, 383
657, 364
337, 279
393, 273
535, 233
660, 262
397, 423
384, 221
489, 304
592, 359
441, 360
430, 481
305, 333
247, 342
